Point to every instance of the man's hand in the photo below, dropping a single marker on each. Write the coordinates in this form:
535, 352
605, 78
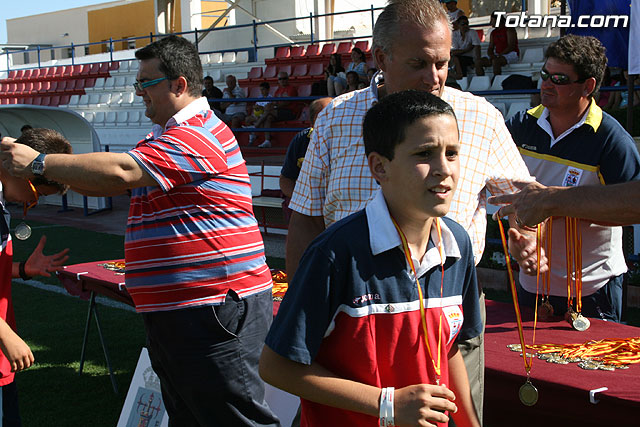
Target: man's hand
423, 405
526, 205
17, 158
522, 246
15, 349
40, 264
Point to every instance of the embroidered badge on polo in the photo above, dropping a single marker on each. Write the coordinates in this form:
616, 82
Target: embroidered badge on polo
454, 317
572, 177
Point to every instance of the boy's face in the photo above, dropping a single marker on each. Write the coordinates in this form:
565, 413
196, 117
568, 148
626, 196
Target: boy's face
264, 91
420, 180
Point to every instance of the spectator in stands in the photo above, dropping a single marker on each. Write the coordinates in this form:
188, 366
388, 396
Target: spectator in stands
278, 111
465, 47
195, 264
502, 49
258, 110
335, 75
25, 128
211, 92
16, 354
453, 12
234, 112
353, 80
358, 63
411, 45
570, 141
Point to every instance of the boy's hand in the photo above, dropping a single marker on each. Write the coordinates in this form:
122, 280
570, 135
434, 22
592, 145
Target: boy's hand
40, 264
16, 158
15, 350
423, 405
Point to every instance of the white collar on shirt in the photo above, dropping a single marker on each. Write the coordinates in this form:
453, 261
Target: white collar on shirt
186, 113
384, 236
543, 122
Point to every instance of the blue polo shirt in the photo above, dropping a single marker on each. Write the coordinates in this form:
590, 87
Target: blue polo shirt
353, 307
596, 151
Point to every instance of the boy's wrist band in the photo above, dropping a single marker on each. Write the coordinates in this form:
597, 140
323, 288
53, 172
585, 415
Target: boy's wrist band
386, 407
22, 272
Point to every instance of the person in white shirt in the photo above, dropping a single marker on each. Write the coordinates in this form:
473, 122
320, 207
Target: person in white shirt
235, 112
465, 47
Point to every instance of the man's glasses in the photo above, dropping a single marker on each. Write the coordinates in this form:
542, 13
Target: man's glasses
140, 86
558, 78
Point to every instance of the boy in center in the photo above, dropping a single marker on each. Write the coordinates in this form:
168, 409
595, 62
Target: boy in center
349, 337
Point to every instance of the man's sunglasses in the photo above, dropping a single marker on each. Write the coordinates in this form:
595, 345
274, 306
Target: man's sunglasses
140, 86
558, 78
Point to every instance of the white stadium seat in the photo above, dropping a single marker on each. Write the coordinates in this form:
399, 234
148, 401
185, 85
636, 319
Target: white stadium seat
479, 83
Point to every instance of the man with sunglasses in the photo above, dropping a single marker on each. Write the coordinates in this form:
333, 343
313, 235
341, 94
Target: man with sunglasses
16, 355
195, 263
569, 141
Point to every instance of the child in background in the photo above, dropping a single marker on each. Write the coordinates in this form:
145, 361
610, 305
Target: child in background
258, 110
349, 336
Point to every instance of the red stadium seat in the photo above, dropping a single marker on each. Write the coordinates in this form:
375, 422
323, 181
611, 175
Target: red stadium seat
45, 101
255, 73
285, 68
50, 72
270, 72
54, 101
53, 86
316, 72
312, 50
103, 69
363, 45
480, 34
27, 74
328, 49
39, 74
344, 47
76, 70
64, 99
13, 74
304, 89
282, 52
37, 100
114, 65
296, 51
27, 100
90, 82
19, 88
58, 72
86, 70
70, 85
300, 71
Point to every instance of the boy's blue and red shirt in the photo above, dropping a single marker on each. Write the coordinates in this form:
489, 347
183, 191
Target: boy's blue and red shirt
353, 307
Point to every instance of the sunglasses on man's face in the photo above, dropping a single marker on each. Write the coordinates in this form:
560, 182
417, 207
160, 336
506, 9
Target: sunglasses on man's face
140, 86
559, 79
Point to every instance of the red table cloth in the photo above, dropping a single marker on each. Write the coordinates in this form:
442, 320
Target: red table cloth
563, 389
81, 279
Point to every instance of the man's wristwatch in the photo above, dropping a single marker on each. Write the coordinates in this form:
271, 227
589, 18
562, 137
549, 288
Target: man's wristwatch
37, 166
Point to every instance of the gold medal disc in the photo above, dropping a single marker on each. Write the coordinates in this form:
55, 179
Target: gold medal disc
528, 394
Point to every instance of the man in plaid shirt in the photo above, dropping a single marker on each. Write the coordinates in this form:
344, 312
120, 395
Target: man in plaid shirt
411, 44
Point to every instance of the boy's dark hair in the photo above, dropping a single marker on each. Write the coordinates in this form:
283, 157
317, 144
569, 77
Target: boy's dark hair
585, 53
178, 57
46, 141
208, 78
386, 123
25, 127
265, 85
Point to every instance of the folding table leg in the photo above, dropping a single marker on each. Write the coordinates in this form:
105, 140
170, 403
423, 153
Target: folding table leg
94, 308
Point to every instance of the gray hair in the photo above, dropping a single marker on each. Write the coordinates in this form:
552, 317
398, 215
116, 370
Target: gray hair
397, 14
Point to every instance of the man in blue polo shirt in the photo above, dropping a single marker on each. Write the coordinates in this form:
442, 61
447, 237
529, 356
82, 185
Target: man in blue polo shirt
570, 141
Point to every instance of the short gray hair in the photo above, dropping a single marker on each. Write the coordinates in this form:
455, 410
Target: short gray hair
396, 15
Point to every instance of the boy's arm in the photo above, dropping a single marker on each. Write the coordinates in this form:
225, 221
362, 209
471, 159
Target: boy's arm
412, 404
15, 350
459, 384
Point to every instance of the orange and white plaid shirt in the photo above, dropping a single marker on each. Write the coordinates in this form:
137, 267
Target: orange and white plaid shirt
335, 180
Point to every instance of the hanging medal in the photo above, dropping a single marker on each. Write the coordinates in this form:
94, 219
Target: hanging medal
573, 239
545, 312
22, 230
528, 393
423, 315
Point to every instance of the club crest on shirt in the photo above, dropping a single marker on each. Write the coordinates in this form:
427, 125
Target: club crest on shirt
572, 177
454, 317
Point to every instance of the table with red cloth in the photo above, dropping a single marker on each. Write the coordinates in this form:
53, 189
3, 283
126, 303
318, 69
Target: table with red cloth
563, 389
81, 279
